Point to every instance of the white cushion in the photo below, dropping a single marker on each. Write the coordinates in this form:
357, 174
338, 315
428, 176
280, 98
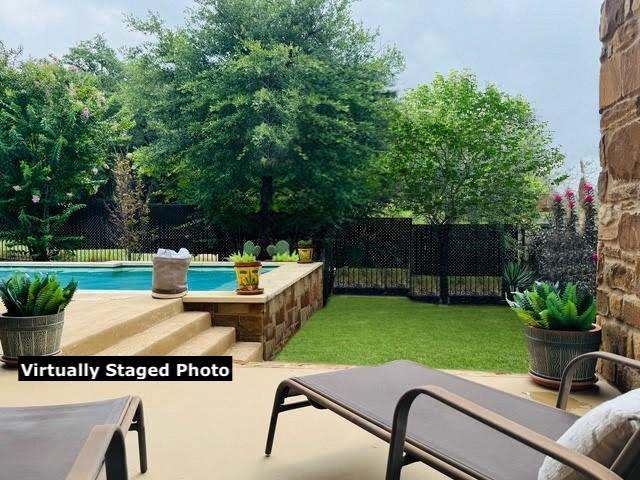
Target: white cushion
600, 434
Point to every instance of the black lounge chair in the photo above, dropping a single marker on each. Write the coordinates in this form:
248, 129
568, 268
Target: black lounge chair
72, 442
460, 428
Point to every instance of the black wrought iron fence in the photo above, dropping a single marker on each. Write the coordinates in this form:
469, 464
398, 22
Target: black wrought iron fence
448, 264
380, 256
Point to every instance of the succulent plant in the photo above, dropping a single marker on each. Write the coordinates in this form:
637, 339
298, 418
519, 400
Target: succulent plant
280, 249
546, 305
305, 243
286, 257
250, 248
517, 276
239, 257
24, 296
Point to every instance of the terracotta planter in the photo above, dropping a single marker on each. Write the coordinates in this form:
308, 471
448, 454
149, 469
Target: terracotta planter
32, 336
305, 254
551, 350
248, 275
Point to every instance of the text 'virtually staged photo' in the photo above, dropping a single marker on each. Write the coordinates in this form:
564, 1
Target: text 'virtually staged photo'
319, 239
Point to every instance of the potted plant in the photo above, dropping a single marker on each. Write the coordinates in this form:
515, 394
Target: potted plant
305, 251
32, 324
280, 252
559, 327
247, 269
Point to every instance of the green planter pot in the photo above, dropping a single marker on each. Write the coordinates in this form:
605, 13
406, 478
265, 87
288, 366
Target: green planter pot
33, 336
551, 350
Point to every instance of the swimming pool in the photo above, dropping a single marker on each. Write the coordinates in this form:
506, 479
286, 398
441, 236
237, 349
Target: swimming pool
132, 277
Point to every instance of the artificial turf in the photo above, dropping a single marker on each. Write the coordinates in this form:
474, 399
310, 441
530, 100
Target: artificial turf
357, 330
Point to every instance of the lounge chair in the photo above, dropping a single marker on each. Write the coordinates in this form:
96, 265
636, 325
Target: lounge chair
72, 442
460, 428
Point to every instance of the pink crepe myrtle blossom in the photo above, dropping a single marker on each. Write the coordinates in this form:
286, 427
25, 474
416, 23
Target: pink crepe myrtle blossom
557, 198
587, 187
35, 198
568, 193
588, 199
572, 204
17, 188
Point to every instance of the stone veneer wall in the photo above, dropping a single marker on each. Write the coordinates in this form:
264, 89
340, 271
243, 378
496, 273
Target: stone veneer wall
272, 323
619, 187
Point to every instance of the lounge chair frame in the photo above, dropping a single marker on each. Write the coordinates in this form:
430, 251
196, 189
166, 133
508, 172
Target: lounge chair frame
403, 452
106, 442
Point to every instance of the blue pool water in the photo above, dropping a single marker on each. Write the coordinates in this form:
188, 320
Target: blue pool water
132, 278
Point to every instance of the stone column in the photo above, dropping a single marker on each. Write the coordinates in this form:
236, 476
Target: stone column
619, 186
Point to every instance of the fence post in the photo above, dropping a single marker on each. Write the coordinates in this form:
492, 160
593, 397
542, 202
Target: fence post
443, 262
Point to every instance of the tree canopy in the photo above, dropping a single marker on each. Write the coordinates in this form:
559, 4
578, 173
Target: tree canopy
265, 106
54, 150
463, 153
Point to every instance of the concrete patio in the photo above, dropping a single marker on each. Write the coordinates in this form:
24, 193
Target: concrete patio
200, 430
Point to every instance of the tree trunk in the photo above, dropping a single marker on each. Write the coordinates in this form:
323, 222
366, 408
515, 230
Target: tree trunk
266, 206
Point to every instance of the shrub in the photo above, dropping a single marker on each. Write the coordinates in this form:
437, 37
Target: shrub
564, 251
547, 305
42, 295
517, 276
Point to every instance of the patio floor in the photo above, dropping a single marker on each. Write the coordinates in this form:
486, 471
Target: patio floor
200, 430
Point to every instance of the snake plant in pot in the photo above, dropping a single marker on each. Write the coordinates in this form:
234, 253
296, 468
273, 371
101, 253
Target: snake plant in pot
32, 324
559, 327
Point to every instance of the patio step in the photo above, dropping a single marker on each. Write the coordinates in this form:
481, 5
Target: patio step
163, 337
94, 322
244, 352
214, 341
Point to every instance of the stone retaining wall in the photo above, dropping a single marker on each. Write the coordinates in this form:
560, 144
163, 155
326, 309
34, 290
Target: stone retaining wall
274, 322
619, 187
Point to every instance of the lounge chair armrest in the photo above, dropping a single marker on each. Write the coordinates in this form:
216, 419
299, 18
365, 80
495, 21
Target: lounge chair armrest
104, 446
549, 447
570, 371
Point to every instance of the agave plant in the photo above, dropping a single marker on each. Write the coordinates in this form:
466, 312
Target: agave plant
24, 296
239, 257
517, 276
548, 306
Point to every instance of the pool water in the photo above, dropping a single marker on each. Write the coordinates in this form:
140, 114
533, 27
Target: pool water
132, 278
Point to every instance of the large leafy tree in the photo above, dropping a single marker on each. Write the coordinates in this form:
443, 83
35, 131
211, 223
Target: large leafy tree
54, 145
262, 106
462, 153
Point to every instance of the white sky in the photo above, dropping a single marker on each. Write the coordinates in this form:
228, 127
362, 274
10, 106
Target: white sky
546, 50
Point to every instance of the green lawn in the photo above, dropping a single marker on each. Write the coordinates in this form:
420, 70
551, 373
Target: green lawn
358, 330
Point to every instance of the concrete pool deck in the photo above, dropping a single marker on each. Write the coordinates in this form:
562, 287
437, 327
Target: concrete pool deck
202, 430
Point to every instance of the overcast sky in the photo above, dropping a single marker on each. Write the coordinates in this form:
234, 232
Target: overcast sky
546, 50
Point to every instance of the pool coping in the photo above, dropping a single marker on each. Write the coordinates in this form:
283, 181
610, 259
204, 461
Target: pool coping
273, 282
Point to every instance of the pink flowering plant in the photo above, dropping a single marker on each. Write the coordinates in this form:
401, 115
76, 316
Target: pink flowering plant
565, 251
53, 140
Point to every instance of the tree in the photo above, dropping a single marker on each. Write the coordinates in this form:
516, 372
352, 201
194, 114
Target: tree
53, 151
462, 153
264, 106
129, 213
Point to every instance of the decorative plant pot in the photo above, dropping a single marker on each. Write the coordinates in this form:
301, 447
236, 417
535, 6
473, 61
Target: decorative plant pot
248, 275
305, 254
33, 336
551, 350
169, 279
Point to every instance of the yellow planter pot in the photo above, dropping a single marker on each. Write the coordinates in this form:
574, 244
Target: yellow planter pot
248, 275
305, 254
